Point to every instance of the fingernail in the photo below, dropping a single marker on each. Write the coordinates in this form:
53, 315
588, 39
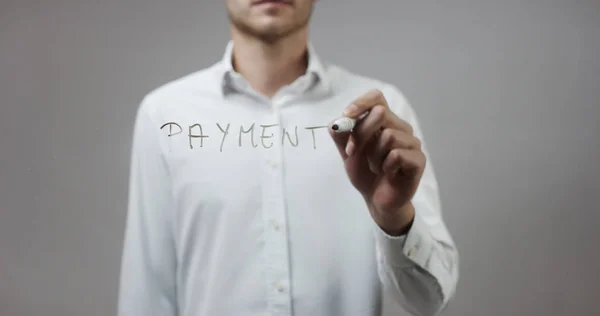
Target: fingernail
350, 148
350, 110
372, 167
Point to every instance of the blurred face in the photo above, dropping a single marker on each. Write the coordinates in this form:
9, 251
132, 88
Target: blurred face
269, 20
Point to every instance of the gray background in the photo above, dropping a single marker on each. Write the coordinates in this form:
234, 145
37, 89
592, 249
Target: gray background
508, 94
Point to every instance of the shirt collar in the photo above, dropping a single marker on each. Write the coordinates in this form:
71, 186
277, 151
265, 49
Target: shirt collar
315, 68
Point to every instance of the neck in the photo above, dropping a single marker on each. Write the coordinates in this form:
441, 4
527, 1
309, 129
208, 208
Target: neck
270, 66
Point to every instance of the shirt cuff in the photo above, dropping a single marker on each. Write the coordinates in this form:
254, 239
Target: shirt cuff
415, 247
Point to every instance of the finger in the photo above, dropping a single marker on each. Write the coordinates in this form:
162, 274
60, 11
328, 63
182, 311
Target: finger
365, 102
390, 119
389, 140
393, 138
366, 128
377, 119
398, 123
410, 163
370, 100
370, 147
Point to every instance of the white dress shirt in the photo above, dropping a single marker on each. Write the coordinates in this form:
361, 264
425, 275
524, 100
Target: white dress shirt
240, 205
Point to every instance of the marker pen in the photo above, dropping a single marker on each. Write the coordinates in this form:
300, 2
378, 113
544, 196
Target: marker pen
346, 124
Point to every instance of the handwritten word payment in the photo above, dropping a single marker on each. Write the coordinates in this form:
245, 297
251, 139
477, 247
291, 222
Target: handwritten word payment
197, 134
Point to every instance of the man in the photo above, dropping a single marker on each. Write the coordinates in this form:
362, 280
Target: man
244, 200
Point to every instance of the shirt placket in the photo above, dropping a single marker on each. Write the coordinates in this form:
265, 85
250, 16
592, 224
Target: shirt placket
274, 216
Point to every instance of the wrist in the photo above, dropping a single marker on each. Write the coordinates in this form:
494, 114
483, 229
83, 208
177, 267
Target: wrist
395, 223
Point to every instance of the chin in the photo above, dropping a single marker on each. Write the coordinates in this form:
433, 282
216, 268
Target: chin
271, 27
270, 21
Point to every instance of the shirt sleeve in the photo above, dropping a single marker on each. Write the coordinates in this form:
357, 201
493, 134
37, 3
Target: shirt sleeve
147, 284
419, 269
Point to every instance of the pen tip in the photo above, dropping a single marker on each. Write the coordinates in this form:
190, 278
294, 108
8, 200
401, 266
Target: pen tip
334, 127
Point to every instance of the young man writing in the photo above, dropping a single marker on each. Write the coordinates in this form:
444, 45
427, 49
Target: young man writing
274, 184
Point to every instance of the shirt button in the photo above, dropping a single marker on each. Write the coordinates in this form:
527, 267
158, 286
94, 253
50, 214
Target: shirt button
276, 225
411, 252
279, 287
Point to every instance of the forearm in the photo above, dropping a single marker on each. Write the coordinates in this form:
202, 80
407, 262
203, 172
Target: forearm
420, 268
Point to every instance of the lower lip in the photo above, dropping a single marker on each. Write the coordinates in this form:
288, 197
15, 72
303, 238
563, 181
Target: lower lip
272, 3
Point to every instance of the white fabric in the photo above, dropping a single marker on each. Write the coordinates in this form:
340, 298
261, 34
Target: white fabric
250, 212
